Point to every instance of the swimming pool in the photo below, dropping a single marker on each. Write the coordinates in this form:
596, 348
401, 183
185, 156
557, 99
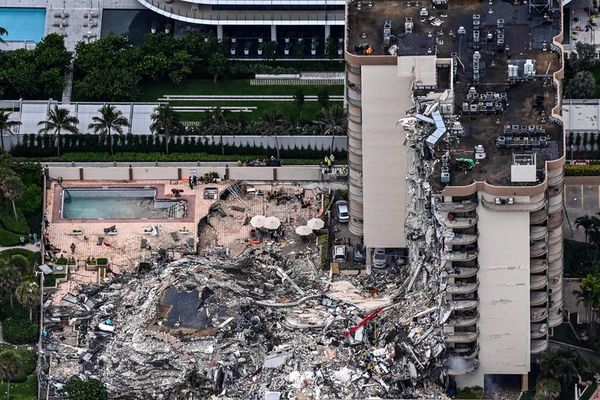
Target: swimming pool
23, 24
119, 203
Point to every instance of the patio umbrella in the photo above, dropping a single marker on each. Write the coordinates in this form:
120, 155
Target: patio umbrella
315, 223
272, 223
258, 221
303, 230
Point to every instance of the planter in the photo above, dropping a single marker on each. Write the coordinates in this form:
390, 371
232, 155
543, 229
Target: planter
313, 52
340, 52
153, 30
286, 51
233, 40
287, 40
259, 52
91, 267
246, 52
232, 52
260, 40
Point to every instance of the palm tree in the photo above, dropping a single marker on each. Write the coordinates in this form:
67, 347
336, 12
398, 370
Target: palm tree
59, 119
3, 32
590, 225
6, 126
110, 119
12, 189
216, 124
29, 295
333, 121
273, 124
589, 295
10, 366
547, 389
165, 120
10, 279
564, 365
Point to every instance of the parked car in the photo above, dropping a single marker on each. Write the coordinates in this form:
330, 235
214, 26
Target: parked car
341, 210
339, 253
359, 253
379, 260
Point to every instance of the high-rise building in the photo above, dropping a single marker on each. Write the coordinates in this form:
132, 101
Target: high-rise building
476, 87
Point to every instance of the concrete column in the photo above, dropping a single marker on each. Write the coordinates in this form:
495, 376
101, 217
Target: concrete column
273, 33
220, 32
525, 383
327, 31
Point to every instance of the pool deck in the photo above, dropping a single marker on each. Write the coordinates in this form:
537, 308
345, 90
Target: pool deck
124, 250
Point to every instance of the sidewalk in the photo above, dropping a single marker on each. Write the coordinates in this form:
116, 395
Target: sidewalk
28, 246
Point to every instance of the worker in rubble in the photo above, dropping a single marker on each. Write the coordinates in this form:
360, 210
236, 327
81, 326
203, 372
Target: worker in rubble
73, 248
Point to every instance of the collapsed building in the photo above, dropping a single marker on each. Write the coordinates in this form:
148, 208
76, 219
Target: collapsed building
454, 124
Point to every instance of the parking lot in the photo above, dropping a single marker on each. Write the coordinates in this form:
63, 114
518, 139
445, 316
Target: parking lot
582, 197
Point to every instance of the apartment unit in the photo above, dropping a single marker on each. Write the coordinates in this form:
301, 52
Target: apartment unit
479, 83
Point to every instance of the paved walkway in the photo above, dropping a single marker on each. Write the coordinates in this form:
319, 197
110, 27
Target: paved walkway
28, 246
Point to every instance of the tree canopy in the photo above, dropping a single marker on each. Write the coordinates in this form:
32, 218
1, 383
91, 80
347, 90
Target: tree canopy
89, 389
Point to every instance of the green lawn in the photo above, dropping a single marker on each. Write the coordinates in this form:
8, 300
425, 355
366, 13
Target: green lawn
21, 391
151, 92
290, 110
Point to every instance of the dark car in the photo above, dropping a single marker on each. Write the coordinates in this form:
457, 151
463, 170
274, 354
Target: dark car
360, 255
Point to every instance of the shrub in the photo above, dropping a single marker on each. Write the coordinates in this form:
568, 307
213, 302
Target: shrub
582, 170
102, 261
22, 264
62, 261
18, 331
144, 266
474, 392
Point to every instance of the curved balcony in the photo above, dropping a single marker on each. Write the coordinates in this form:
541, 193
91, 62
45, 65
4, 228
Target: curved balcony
203, 14
555, 283
460, 255
555, 252
462, 321
555, 220
555, 305
538, 217
460, 305
462, 272
555, 318
353, 69
538, 314
555, 177
462, 337
555, 269
538, 346
516, 206
465, 366
538, 232
554, 191
353, 97
539, 330
538, 298
537, 282
352, 77
461, 288
554, 239
537, 249
456, 222
453, 238
537, 266
463, 206
556, 296
467, 353
555, 204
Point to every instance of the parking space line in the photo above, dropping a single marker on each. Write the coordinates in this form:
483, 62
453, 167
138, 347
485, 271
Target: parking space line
581, 196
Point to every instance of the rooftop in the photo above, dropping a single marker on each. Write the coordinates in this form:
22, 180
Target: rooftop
502, 76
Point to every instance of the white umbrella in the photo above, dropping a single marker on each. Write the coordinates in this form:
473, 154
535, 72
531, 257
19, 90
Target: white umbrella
258, 221
315, 223
303, 230
272, 223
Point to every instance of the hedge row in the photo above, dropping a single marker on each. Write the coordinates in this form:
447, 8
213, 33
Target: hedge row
43, 146
582, 170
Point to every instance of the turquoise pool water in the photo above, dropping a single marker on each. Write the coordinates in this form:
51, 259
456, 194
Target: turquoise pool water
23, 23
114, 203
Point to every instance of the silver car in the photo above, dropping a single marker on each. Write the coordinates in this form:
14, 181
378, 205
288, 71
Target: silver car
341, 209
379, 260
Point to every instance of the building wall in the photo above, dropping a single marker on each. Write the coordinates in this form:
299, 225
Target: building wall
504, 337
385, 99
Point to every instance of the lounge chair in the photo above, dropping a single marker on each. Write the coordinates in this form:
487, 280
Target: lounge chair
100, 241
76, 232
175, 236
144, 244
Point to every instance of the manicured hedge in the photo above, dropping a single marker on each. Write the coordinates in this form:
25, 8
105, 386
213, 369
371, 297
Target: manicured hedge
582, 170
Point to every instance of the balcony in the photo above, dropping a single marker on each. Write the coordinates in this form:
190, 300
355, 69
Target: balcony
538, 282
538, 217
462, 206
453, 222
462, 337
538, 233
537, 266
461, 288
555, 177
555, 318
538, 298
555, 204
555, 283
353, 97
539, 330
537, 249
555, 220
460, 255
538, 314
538, 346
556, 269
460, 305
505, 205
462, 272
462, 321
555, 305
556, 296
451, 238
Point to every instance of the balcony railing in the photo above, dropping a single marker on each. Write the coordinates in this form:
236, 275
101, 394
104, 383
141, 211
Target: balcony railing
459, 305
538, 298
538, 314
460, 255
460, 238
464, 288
515, 206
538, 249
538, 282
538, 232
462, 337
538, 346
463, 206
456, 222
462, 272
537, 266
462, 321
555, 318
466, 353
539, 330
538, 217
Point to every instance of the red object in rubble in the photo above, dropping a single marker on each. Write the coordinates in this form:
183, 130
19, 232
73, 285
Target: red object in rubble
106, 244
363, 322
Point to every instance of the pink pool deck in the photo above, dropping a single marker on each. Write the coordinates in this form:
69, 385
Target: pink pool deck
124, 249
